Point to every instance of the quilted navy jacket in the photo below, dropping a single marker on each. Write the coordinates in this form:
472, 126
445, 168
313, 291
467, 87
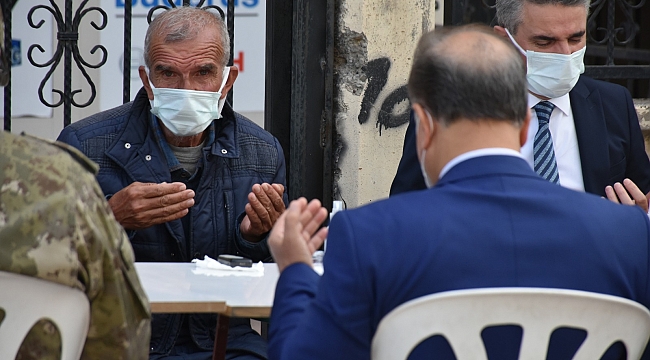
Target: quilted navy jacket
124, 145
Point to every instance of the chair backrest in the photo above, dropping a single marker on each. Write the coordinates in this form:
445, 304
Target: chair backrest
25, 300
461, 315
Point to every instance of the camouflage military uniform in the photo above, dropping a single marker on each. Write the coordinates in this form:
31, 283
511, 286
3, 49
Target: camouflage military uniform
56, 225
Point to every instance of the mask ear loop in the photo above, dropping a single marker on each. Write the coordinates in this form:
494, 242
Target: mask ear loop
429, 117
421, 160
152, 103
226, 74
417, 124
514, 42
222, 101
146, 71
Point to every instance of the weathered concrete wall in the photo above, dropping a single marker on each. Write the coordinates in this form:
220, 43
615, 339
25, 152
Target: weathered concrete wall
643, 110
374, 44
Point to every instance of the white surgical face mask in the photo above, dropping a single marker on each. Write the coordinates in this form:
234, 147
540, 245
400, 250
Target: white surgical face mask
187, 112
427, 179
552, 75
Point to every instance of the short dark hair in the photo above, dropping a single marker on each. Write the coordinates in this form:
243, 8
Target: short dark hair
480, 78
509, 12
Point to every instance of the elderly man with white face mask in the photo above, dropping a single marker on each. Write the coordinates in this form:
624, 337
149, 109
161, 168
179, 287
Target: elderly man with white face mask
584, 133
184, 174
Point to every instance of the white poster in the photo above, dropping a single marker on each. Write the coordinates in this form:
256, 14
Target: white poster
250, 39
26, 78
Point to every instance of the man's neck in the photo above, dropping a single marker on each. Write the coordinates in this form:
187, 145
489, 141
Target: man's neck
464, 136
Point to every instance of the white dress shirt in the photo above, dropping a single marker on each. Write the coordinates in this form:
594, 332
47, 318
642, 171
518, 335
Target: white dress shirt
565, 141
474, 154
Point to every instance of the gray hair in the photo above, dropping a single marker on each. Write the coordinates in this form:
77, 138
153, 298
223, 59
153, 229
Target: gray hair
186, 23
509, 12
453, 80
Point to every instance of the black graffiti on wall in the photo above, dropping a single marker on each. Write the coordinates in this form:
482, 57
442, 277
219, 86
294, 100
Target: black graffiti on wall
395, 108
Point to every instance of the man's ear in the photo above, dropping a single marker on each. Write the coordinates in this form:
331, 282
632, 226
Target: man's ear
145, 82
425, 128
501, 31
523, 132
234, 72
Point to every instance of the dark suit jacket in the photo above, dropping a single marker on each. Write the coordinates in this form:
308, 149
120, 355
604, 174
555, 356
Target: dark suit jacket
609, 139
501, 225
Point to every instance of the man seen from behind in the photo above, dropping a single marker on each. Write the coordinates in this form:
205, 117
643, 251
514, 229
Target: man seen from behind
486, 219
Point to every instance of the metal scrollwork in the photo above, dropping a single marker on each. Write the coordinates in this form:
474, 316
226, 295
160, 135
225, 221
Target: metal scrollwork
185, 3
612, 35
68, 49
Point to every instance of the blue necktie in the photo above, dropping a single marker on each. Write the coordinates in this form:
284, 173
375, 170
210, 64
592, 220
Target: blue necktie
543, 152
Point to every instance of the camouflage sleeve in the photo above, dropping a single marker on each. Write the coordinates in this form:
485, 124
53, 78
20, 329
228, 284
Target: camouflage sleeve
56, 225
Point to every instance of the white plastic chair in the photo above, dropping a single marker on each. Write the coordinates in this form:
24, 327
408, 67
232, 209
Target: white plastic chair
461, 315
25, 300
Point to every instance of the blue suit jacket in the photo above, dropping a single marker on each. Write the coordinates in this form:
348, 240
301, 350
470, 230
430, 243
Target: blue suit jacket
489, 222
609, 139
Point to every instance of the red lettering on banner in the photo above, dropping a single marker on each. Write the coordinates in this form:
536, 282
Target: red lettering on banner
239, 61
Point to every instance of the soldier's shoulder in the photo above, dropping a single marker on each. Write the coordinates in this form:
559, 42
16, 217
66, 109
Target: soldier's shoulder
57, 153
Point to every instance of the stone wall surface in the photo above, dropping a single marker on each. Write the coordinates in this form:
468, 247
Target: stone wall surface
374, 44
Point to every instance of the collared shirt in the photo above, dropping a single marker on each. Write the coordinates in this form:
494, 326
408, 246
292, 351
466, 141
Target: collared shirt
477, 153
172, 162
565, 141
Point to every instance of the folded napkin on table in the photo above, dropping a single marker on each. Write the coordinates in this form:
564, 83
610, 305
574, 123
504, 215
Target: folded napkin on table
211, 267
